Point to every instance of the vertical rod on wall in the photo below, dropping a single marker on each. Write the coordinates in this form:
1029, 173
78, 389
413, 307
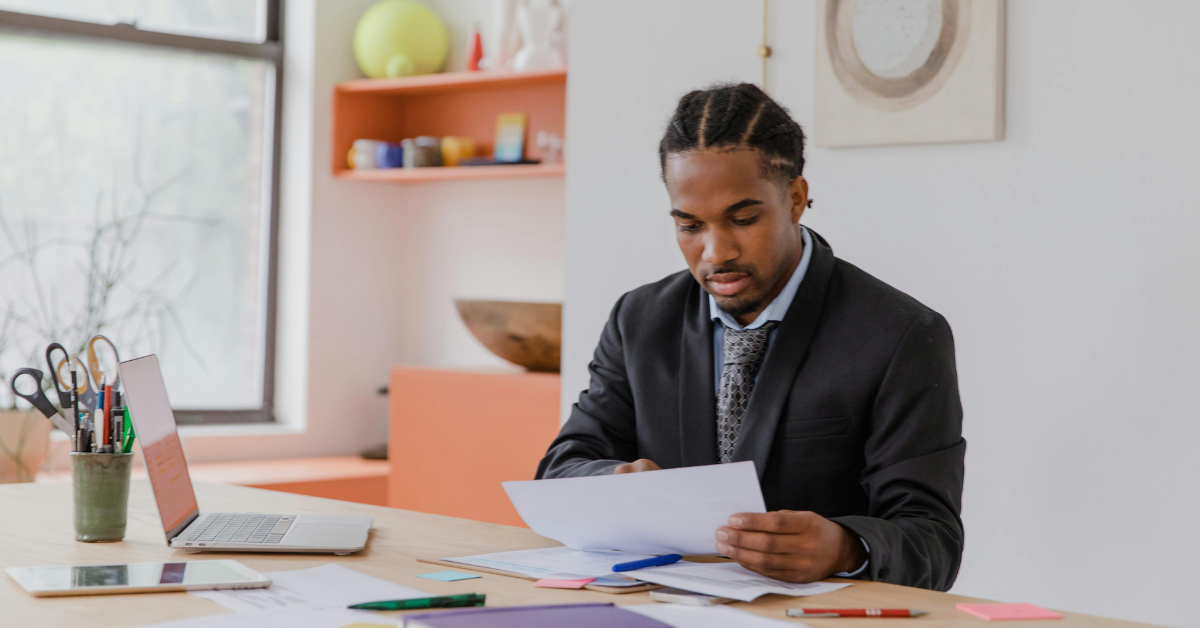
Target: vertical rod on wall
764, 50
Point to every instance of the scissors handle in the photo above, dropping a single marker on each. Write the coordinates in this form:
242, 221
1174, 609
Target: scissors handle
94, 365
37, 397
64, 392
84, 392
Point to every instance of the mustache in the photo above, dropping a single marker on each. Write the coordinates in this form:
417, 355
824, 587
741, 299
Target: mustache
748, 269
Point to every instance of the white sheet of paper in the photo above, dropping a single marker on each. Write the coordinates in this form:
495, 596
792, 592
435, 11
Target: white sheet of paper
559, 563
328, 586
728, 580
675, 511
300, 618
683, 616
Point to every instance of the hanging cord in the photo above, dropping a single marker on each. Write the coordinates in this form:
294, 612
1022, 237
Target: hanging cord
764, 50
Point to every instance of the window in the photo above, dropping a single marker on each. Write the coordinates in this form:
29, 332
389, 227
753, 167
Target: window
139, 152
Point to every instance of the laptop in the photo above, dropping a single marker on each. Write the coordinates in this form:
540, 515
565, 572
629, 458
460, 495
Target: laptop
186, 527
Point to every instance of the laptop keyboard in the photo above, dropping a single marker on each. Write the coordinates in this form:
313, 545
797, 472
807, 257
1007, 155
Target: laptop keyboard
242, 528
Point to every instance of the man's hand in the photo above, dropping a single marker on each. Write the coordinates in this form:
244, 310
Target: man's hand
636, 466
790, 546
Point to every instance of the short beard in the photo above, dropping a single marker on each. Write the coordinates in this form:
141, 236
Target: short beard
736, 308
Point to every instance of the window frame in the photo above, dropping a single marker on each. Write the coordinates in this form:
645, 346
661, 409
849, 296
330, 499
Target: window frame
270, 50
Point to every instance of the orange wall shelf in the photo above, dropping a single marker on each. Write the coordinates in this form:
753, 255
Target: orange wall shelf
458, 103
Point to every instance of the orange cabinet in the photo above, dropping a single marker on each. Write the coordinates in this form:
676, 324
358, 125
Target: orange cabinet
457, 434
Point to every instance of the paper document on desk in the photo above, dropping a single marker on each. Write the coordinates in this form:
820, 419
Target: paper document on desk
728, 580
559, 563
674, 511
681, 616
328, 586
306, 618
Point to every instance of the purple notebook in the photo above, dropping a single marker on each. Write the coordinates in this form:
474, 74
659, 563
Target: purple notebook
603, 615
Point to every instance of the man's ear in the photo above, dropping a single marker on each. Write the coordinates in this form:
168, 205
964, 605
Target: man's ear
798, 198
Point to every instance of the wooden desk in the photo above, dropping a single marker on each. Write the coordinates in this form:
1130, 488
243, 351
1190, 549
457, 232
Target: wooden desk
36, 529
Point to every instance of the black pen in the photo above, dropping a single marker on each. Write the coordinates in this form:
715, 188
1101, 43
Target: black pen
79, 444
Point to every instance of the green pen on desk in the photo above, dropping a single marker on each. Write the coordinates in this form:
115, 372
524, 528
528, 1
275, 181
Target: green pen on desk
441, 601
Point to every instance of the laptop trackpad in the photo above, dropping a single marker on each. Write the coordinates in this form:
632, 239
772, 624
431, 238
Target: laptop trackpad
326, 535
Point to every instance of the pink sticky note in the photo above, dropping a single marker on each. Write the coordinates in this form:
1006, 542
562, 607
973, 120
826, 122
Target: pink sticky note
562, 584
1003, 612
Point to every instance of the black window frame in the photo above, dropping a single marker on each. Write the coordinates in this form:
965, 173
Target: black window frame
270, 50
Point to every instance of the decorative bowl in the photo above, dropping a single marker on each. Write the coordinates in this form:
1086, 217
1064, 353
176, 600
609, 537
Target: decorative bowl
526, 334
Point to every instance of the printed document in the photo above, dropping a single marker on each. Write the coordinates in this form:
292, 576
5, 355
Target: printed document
305, 618
674, 511
557, 563
728, 580
329, 586
682, 616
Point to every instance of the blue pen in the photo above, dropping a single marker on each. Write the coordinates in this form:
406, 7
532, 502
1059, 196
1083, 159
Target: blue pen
657, 561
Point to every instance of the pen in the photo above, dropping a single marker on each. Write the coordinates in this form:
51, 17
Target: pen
109, 441
79, 438
441, 601
89, 433
854, 612
100, 418
657, 561
118, 423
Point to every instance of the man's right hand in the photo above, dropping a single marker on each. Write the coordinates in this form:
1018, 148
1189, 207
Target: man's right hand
636, 466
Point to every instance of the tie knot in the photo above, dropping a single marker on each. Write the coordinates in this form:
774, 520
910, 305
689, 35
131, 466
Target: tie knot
747, 346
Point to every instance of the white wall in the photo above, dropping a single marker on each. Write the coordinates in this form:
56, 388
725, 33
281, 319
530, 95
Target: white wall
1064, 258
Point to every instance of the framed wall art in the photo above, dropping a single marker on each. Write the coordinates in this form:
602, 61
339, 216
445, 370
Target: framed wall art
908, 71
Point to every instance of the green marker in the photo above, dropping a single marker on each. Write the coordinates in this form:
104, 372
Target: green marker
129, 435
441, 601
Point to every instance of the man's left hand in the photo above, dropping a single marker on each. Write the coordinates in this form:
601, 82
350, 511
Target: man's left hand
790, 546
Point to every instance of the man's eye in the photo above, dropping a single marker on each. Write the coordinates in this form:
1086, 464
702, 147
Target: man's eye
689, 227
743, 222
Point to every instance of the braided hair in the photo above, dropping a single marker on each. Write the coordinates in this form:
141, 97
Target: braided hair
736, 117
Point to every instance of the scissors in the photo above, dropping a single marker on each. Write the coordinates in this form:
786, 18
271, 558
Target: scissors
38, 398
99, 370
87, 396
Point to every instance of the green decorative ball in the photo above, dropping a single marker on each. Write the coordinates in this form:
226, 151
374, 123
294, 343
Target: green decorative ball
399, 38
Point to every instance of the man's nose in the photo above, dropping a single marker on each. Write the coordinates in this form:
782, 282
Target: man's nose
719, 248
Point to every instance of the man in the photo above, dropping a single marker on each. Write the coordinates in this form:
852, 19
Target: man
840, 388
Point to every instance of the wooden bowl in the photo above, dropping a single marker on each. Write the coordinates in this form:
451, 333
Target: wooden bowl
526, 334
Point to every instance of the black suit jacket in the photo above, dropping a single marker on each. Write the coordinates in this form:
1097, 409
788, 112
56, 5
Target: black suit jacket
855, 414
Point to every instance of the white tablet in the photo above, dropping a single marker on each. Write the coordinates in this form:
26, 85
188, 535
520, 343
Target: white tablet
137, 578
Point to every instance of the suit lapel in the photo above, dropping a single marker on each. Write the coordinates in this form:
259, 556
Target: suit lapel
697, 398
783, 360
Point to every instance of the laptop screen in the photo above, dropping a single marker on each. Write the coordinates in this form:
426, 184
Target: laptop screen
154, 425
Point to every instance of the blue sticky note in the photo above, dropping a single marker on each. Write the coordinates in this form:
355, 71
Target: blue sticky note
448, 576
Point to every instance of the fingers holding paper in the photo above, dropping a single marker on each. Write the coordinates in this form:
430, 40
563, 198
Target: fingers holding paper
636, 466
790, 546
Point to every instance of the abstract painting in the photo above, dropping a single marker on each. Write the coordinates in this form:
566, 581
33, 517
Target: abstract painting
908, 71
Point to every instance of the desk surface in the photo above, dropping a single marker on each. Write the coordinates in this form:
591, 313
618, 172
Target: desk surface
36, 529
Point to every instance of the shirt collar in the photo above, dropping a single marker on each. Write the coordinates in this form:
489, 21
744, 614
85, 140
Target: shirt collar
777, 308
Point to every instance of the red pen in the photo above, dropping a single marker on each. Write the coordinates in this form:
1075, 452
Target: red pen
854, 612
108, 403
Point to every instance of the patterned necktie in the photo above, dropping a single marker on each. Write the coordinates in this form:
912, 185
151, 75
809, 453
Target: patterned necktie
743, 356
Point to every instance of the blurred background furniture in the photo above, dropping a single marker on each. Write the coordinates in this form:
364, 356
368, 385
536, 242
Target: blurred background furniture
457, 434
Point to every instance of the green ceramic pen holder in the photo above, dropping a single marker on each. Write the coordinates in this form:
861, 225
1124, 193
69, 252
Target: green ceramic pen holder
101, 495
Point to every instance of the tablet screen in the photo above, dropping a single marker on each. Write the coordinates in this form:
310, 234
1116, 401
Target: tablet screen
138, 575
